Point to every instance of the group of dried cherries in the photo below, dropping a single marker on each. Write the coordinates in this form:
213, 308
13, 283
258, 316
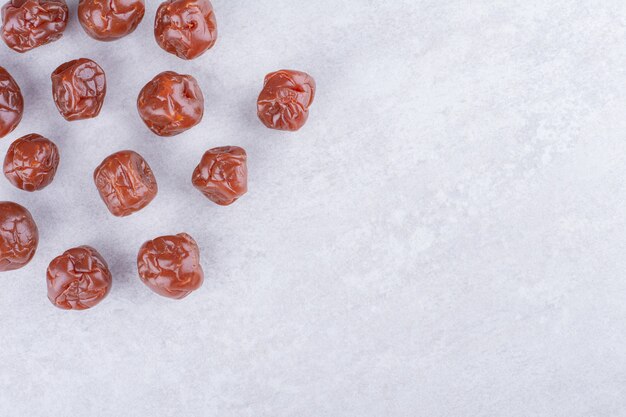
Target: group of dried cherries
169, 104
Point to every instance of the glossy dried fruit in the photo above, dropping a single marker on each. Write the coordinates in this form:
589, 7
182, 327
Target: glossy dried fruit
19, 236
11, 103
185, 28
222, 175
32, 23
285, 99
109, 20
79, 279
78, 89
125, 182
170, 265
171, 103
31, 162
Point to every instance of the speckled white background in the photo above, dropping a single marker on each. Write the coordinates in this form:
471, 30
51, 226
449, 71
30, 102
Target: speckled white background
445, 237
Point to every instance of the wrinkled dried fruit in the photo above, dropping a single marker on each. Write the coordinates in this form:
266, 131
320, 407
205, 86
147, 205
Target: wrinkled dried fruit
125, 182
222, 175
285, 99
79, 279
78, 89
185, 28
109, 20
31, 162
32, 23
19, 236
170, 265
11, 103
171, 103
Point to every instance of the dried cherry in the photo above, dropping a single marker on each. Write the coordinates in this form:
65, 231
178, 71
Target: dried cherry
28, 24
170, 265
109, 20
222, 175
185, 28
285, 99
78, 89
31, 162
11, 103
125, 182
78, 279
171, 103
19, 236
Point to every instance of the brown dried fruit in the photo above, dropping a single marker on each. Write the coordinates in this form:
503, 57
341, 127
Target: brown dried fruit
109, 20
31, 162
285, 99
185, 28
79, 279
78, 89
222, 175
19, 236
125, 182
32, 23
170, 265
171, 103
11, 103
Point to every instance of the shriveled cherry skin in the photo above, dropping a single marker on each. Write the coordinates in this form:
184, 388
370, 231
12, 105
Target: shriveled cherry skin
285, 99
19, 236
31, 162
185, 28
11, 103
78, 279
171, 103
125, 182
28, 24
170, 265
78, 89
109, 20
222, 174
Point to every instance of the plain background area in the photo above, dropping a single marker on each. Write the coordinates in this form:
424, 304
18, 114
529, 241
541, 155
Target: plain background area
445, 237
